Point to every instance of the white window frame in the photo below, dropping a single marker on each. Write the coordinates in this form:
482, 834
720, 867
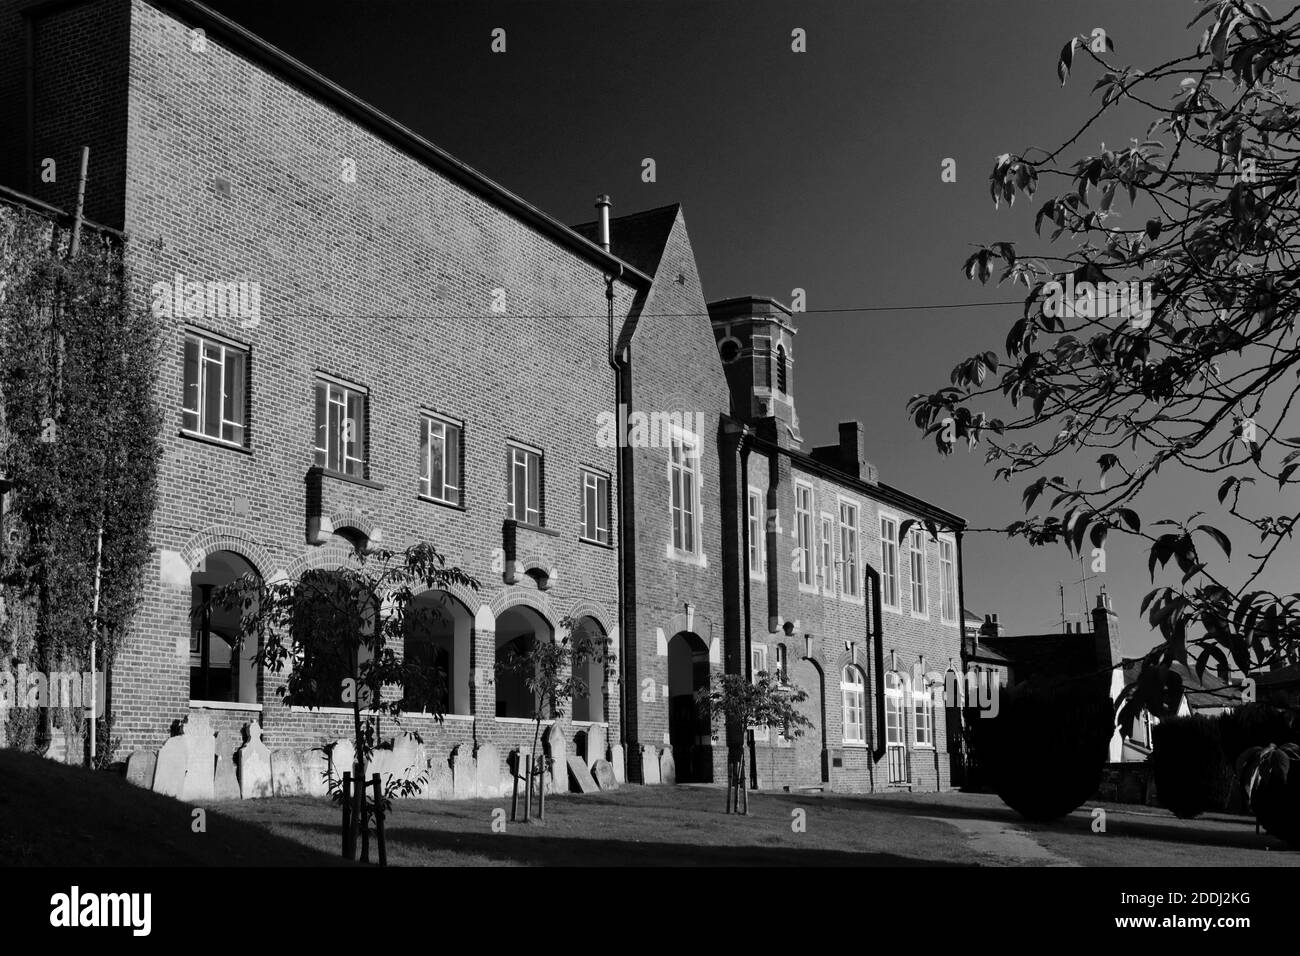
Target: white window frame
886, 546
922, 707
805, 536
678, 474
226, 346
829, 569
895, 700
758, 662
858, 689
514, 449
850, 564
914, 534
594, 480
427, 422
756, 522
337, 393
948, 579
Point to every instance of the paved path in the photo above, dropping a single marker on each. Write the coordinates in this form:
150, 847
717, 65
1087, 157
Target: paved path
1004, 844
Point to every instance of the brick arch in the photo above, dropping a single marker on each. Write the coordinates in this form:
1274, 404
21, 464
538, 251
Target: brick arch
330, 556
352, 518
227, 538
591, 609
512, 596
846, 658
815, 656
461, 592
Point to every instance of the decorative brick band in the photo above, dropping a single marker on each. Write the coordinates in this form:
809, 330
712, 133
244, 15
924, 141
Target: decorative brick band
216, 538
594, 610
510, 597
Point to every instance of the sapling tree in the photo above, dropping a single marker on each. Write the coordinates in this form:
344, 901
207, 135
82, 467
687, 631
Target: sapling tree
552, 672
737, 705
337, 636
1158, 343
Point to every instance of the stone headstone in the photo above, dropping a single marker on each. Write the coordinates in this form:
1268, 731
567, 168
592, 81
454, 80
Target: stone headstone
440, 785
140, 767
286, 773
341, 755
464, 774
595, 746
253, 761
315, 772
617, 763
201, 769
169, 773
580, 777
489, 771
557, 748
667, 767
604, 774
225, 782
649, 765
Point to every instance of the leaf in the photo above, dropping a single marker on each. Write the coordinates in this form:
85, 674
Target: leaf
1219, 537
1066, 60
1154, 227
1130, 518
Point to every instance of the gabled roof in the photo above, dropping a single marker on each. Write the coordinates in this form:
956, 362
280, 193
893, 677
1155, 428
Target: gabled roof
1201, 692
638, 238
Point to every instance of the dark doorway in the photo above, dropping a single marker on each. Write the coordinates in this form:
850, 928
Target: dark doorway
689, 730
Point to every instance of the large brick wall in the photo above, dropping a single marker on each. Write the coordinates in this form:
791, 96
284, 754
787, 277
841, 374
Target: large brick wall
387, 281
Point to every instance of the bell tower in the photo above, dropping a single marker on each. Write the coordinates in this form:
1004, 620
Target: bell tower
756, 343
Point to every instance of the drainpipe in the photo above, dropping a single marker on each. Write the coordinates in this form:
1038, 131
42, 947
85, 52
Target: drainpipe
743, 477
961, 630
876, 635
618, 365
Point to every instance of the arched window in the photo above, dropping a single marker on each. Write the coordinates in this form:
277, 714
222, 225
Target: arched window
223, 667
331, 608
439, 640
782, 373
782, 664
590, 648
923, 714
853, 688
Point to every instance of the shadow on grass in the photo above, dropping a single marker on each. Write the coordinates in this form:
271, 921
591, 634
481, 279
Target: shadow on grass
536, 849
56, 815
1240, 836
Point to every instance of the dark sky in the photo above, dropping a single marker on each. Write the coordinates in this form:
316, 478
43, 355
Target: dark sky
818, 170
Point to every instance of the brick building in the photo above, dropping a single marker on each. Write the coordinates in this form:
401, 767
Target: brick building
399, 349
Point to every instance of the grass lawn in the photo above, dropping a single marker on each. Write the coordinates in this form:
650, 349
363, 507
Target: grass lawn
56, 815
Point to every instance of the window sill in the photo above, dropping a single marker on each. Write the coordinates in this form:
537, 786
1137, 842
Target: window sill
809, 589
919, 617
596, 544
343, 476
347, 711
893, 610
450, 505
853, 744
700, 560
536, 528
215, 442
223, 705
520, 720
928, 748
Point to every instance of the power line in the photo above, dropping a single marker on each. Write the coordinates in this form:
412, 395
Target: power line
601, 315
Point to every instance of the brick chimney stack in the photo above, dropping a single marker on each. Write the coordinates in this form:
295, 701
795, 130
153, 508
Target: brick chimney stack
1105, 631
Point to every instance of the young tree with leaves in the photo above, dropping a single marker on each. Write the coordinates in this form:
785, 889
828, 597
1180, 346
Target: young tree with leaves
335, 631
1203, 209
738, 705
551, 671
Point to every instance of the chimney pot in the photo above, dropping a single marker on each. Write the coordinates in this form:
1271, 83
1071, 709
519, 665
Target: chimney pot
602, 220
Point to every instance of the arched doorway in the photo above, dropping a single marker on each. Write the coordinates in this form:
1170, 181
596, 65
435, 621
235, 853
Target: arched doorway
440, 636
689, 730
518, 630
217, 671
810, 758
590, 650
